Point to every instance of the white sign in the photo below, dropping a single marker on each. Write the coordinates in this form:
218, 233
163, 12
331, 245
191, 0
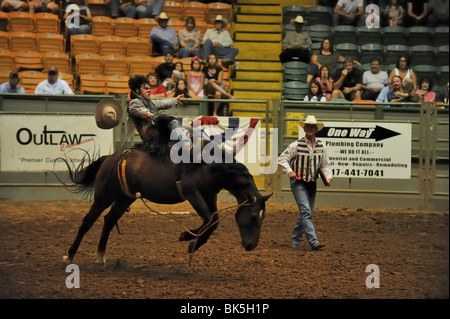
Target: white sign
38, 142
367, 150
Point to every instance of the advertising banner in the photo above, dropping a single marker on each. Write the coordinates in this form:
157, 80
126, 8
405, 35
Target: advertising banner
39, 142
368, 150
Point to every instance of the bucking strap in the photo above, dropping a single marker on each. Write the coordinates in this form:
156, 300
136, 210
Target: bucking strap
121, 173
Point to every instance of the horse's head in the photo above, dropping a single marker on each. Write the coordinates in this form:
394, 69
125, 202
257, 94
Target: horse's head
249, 218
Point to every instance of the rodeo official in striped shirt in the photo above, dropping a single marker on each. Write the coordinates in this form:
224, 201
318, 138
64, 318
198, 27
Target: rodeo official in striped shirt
303, 161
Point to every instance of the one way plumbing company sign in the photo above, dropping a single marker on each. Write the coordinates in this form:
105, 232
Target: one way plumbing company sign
368, 150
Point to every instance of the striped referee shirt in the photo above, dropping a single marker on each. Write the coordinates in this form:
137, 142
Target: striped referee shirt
300, 157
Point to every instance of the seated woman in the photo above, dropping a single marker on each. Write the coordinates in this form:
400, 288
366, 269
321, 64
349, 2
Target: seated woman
315, 93
403, 71
325, 56
425, 92
157, 89
326, 82
214, 86
182, 90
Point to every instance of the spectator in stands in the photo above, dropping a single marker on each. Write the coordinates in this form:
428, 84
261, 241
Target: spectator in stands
53, 85
402, 69
148, 8
177, 74
190, 38
43, 6
373, 81
195, 78
438, 12
78, 18
326, 82
218, 41
382, 97
296, 44
126, 7
182, 89
394, 13
164, 71
15, 5
214, 86
325, 56
349, 12
425, 92
408, 88
416, 12
156, 88
396, 93
315, 93
13, 85
347, 82
162, 37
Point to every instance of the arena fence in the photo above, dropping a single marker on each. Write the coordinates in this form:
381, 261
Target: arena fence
425, 187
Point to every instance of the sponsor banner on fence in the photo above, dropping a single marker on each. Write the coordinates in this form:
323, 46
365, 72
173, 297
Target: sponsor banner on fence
38, 142
368, 150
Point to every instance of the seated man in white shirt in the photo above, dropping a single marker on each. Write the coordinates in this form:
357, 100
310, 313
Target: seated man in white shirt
53, 85
218, 41
374, 81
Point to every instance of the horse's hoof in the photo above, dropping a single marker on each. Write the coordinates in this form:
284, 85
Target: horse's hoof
100, 260
67, 260
192, 248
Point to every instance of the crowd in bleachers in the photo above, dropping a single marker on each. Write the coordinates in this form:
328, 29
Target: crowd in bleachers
405, 39
95, 45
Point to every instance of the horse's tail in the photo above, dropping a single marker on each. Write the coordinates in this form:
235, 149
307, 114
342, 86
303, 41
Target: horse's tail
82, 177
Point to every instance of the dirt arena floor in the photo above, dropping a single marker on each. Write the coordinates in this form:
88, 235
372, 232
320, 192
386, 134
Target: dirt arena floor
410, 247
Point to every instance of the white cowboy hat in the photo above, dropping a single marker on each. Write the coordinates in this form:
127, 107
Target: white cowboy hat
298, 19
311, 119
162, 16
222, 19
108, 113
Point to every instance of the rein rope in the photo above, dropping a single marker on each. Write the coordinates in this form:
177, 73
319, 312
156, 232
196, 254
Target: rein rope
206, 227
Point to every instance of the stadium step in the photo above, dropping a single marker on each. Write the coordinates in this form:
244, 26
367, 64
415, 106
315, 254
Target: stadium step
257, 56
268, 8
260, 65
256, 84
257, 94
259, 74
274, 46
257, 36
257, 27
258, 17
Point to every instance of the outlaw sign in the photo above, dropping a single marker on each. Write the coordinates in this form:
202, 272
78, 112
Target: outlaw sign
368, 150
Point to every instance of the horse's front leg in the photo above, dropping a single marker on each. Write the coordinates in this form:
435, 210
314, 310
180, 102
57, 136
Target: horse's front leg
205, 207
119, 207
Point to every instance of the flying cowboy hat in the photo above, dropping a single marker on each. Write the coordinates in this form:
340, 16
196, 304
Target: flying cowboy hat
311, 119
108, 113
221, 19
298, 19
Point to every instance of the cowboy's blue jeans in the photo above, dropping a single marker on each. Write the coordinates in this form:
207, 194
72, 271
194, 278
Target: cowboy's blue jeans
175, 125
224, 52
305, 195
164, 45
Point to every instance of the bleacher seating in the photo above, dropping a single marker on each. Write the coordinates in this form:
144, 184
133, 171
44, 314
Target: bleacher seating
28, 60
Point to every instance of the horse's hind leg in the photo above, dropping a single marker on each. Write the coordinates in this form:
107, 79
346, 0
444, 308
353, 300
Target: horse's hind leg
94, 213
119, 207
